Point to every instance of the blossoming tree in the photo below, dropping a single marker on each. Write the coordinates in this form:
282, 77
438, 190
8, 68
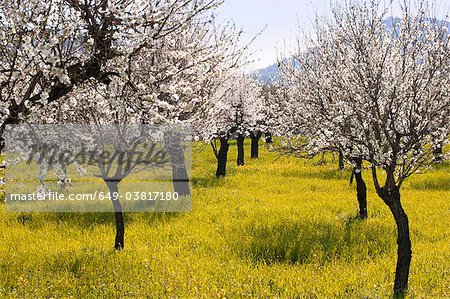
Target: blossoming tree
150, 62
380, 94
50, 47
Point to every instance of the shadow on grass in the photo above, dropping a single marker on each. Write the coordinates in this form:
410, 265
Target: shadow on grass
207, 181
432, 184
91, 220
324, 174
307, 242
442, 166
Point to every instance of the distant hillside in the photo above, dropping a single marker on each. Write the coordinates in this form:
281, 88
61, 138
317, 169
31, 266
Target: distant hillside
268, 74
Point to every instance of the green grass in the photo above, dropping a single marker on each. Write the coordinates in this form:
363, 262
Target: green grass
282, 228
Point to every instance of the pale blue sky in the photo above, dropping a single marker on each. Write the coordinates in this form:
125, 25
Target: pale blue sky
282, 18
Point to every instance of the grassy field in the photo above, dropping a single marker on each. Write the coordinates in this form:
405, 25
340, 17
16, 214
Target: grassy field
271, 229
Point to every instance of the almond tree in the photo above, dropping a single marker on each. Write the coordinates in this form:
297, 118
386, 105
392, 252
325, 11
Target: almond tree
100, 61
163, 83
50, 47
381, 94
300, 127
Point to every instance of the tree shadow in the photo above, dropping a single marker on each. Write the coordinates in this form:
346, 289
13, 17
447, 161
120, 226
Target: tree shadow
207, 181
443, 184
324, 174
85, 220
305, 242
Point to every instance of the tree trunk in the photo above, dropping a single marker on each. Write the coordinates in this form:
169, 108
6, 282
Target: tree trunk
404, 251
361, 189
268, 137
341, 161
240, 146
222, 158
437, 152
255, 136
119, 243
180, 176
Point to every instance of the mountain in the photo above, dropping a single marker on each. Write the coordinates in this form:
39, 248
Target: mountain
267, 75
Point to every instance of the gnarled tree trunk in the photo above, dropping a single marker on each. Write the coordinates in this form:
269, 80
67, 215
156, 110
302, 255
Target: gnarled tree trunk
255, 136
341, 161
437, 152
119, 243
222, 158
404, 253
180, 176
361, 188
240, 146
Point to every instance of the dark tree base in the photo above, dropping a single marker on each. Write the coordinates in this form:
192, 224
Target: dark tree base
361, 188
240, 146
437, 153
119, 242
341, 161
404, 252
222, 158
255, 136
180, 176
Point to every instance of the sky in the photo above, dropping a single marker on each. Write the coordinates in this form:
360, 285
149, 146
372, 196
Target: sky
280, 22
